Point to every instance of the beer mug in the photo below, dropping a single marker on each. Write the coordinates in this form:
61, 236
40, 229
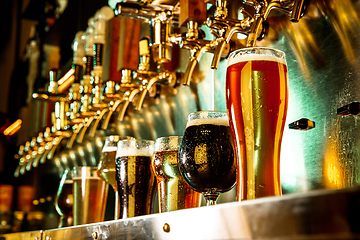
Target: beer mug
173, 192
134, 177
257, 101
90, 195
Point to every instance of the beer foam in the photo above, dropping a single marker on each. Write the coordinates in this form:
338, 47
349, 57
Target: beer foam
109, 149
134, 151
255, 57
223, 121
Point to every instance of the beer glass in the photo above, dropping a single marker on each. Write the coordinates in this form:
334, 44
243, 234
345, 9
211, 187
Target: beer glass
134, 177
173, 192
106, 166
207, 156
64, 200
257, 100
90, 195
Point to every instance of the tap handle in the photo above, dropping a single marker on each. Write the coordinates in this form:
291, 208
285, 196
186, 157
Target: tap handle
352, 109
302, 124
299, 9
194, 10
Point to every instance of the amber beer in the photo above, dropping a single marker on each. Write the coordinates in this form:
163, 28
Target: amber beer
257, 101
90, 195
173, 192
136, 182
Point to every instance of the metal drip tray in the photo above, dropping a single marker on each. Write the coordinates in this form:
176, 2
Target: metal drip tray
321, 214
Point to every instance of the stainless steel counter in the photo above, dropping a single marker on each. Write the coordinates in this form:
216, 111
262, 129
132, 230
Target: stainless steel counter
320, 214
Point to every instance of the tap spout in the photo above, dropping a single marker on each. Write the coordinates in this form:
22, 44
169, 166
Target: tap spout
164, 78
298, 10
97, 121
56, 142
129, 97
74, 135
48, 147
196, 52
110, 113
84, 128
40, 153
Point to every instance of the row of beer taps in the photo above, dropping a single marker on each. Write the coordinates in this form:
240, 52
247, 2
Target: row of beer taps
89, 102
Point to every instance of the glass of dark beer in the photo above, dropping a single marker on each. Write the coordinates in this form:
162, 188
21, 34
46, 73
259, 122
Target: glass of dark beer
90, 195
207, 157
135, 180
257, 102
106, 166
64, 200
173, 192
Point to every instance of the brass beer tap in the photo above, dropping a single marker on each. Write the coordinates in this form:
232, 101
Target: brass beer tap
97, 107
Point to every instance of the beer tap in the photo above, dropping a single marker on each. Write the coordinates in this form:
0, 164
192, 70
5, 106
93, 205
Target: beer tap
97, 108
45, 144
149, 78
60, 129
19, 156
26, 157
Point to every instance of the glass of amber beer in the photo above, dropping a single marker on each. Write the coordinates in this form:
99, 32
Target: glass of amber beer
257, 101
206, 156
90, 195
173, 192
135, 180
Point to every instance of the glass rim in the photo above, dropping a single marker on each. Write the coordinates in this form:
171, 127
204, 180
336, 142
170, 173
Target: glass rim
164, 137
255, 48
277, 54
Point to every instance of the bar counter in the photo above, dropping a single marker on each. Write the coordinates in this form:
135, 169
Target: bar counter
319, 214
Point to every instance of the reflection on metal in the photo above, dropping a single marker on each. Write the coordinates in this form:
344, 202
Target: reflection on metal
322, 214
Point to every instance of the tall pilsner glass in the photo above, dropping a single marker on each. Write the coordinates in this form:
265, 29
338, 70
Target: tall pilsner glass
257, 102
107, 168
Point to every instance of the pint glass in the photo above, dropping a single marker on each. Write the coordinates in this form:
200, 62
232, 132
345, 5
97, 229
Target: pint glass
136, 183
173, 192
90, 195
257, 100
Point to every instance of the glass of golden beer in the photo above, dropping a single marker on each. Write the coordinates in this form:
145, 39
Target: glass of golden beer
90, 195
135, 180
173, 192
257, 102
64, 200
106, 166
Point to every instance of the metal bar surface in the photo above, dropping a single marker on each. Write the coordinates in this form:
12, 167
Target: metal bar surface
319, 214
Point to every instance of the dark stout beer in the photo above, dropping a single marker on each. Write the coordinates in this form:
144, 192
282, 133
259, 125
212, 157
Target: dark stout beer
257, 99
206, 156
